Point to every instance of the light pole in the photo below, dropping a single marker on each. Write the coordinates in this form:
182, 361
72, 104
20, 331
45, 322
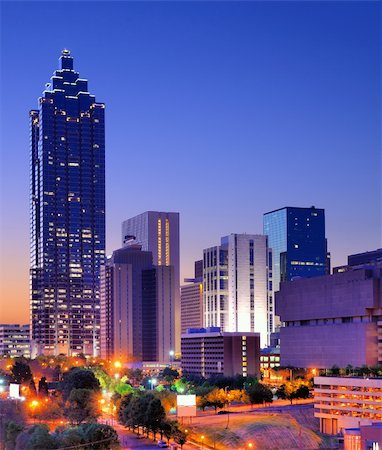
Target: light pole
153, 381
227, 394
171, 353
202, 440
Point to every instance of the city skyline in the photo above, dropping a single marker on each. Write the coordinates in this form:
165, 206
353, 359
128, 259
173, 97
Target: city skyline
262, 112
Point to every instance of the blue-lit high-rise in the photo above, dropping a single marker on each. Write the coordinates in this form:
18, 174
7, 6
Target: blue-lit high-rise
297, 239
67, 215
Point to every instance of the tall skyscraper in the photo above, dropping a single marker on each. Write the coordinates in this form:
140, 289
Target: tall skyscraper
67, 215
235, 285
297, 239
158, 232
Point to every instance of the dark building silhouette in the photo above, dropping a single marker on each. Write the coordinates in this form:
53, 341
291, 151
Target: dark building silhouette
67, 215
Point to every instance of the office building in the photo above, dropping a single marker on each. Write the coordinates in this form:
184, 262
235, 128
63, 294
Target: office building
158, 232
359, 259
332, 320
366, 437
341, 403
209, 351
137, 308
67, 215
14, 340
128, 294
235, 285
191, 300
299, 249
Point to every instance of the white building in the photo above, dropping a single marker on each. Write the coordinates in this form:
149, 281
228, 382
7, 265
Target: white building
236, 280
349, 402
158, 232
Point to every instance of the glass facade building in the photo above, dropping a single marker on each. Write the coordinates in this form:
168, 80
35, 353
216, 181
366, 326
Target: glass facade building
297, 239
67, 215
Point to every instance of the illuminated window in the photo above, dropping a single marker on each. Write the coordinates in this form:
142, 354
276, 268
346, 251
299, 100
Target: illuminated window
159, 242
167, 230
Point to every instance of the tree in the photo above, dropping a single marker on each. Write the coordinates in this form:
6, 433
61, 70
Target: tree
293, 390
169, 374
81, 406
43, 387
216, 398
168, 428
180, 437
123, 409
71, 437
167, 398
22, 374
102, 437
155, 415
37, 438
12, 430
79, 378
259, 393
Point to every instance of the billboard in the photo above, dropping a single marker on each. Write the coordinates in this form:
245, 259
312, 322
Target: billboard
186, 405
14, 390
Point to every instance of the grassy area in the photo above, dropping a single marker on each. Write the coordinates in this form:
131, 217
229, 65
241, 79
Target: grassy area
263, 431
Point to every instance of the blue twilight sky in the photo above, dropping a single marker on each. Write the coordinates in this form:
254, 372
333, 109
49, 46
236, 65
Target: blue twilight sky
219, 110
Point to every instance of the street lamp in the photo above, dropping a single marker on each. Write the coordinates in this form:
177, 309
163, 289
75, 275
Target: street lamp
153, 381
201, 440
171, 353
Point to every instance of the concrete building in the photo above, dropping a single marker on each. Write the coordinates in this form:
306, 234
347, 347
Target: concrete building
367, 437
158, 233
209, 351
361, 259
15, 340
332, 320
299, 249
137, 308
122, 301
191, 300
349, 402
236, 281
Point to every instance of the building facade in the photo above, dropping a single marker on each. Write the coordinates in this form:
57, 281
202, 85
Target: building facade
191, 300
208, 351
128, 294
299, 249
332, 320
341, 403
67, 215
137, 308
158, 232
236, 280
15, 340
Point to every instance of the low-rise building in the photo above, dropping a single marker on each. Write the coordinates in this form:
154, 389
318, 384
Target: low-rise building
209, 351
332, 320
15, 340
347, 402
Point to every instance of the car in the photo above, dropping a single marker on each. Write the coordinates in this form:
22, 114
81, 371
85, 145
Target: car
162, 444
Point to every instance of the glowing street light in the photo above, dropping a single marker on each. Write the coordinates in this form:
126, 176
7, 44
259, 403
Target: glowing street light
202, 440
117, 364
153, 382
250, 445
